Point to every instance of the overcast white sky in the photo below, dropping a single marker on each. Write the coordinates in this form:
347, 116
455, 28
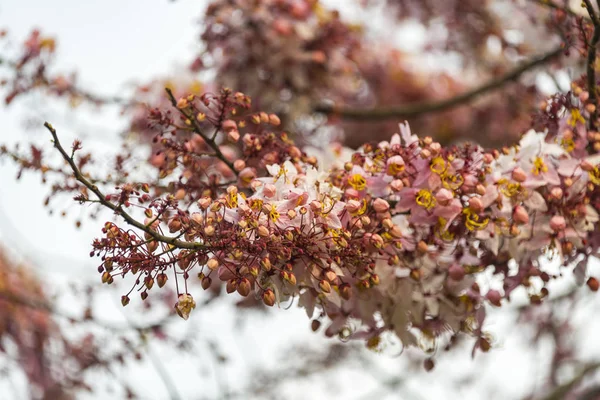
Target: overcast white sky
111, 43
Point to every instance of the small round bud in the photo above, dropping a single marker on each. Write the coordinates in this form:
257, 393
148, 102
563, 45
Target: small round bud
593, 284
558, 223
268, 297
212, 264
456, 272
519, 175
494, 297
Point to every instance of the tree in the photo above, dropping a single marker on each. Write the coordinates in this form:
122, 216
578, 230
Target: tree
398, 237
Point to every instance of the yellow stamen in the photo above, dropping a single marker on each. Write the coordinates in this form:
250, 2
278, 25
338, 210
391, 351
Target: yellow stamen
358, 182
425, 199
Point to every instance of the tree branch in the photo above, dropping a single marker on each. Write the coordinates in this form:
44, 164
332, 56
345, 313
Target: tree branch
210, 141
591, 64
117, 208
561, 391
428, 107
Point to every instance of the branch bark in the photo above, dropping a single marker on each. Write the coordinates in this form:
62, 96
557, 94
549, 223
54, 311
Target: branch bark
416, 109
591, 63
117, 208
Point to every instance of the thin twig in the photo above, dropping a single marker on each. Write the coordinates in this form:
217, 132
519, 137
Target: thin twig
428, 107
210, 141
561, 391
117, 208
46, 307
591, 64
550, 4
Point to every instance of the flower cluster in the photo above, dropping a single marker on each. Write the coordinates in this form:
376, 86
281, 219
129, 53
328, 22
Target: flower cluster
392, 239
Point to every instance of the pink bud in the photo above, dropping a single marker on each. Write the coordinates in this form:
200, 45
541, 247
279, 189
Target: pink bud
584, 96
381, 206
558, 223
204, 202
247, 175
443, 196
520, 215
197, 218
229, 125
397, 185
233, 136
351, 193
556, 193
456, 272
269, 190
294, 152
352, 206
274, 120
519, 175
488, 158
239, 165
263, 231
316, 206
494, 297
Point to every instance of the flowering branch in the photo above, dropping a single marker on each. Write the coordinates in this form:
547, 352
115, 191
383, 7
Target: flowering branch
198, 130
117, 208
427, 107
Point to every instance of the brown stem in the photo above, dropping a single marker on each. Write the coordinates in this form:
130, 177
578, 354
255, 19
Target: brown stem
118, 209
561, 391
210, 141
591, 64
428, 107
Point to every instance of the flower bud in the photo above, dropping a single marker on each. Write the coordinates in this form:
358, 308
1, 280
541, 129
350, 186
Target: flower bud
247, 175
229, 125
397, 185
456, 272
233, 136
149, 282
268, 297
381, 206
265, 264
161, 279
558, 223
212, 264
593, 284
206, 282
274, 120
231, 286
209, 230
239, 165
315, 325
353, 206
345, 291
520, 215
325, 286
269, 190
244, 287
556, 193
494, 297
263, 231
124, 300
443, 196
182, 103
519, 175
204, 202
